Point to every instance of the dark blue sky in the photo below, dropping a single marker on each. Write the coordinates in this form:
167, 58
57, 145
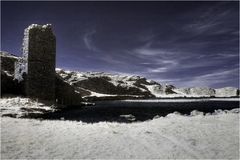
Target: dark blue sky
181, 43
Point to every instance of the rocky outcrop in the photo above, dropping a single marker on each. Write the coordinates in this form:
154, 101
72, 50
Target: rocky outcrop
104, 86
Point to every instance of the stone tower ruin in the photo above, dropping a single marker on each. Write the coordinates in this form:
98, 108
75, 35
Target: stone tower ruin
38, 62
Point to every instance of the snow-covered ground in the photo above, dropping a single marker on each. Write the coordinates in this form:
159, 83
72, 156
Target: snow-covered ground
19, 106
174, 136
211, 136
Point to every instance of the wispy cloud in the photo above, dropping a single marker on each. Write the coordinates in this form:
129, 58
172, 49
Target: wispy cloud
147, 50
227, 55
158, 70
88, 40
210, 20
188, 57
212, 79
146, 36
158, 60
111, 60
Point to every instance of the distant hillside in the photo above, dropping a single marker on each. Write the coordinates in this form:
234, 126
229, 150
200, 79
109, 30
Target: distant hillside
97, 85
208, 92
100, 84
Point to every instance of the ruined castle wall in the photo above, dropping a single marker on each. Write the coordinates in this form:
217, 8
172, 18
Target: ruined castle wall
39, 53
7, 62
20, 69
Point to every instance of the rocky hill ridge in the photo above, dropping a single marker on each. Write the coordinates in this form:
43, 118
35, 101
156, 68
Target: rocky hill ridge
100, 84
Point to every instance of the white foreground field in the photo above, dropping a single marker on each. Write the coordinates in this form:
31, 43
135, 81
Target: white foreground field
174, 136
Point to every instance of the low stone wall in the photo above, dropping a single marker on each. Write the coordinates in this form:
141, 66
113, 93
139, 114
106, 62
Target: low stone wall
7, 62
65, 93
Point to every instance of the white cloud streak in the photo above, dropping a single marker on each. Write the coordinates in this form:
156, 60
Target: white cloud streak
88, 41
158, 70
208, 21
211, 78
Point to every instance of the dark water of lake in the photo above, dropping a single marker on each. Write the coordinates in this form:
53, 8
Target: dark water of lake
131, 111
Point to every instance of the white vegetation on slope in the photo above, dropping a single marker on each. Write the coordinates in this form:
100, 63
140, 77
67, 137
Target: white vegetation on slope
227, 92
